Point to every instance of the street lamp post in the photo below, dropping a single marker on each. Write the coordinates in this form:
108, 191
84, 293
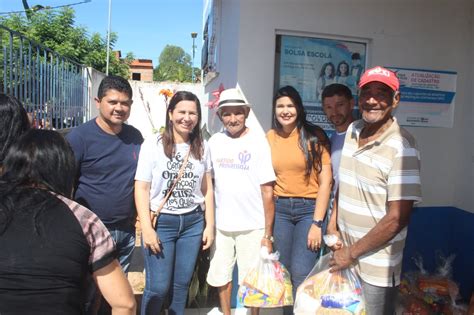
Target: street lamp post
193, 75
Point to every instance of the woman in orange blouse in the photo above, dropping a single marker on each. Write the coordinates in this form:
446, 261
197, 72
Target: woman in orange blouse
301, 160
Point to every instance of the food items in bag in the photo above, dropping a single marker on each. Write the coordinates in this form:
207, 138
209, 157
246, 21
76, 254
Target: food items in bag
254, 298
272, 283
437, 285
423, 292
267, 284
413, 305
325, 293
338, 301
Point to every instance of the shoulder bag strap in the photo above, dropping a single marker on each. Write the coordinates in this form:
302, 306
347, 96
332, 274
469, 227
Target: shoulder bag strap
154, 214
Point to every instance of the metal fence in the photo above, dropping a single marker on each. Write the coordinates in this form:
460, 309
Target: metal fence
53, 88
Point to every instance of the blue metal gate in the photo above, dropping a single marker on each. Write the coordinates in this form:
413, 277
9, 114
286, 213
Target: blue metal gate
53, 88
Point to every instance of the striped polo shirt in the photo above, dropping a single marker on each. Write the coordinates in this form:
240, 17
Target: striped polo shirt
383, 170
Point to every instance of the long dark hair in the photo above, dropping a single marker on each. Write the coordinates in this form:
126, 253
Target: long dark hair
195, 138
322, 73
312, 138
338, 71
39, 163
13, 123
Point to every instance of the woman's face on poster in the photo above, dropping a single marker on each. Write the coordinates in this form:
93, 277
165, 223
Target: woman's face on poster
328, 70
343, 69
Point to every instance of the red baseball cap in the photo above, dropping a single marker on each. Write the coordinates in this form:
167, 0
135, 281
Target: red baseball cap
380, 74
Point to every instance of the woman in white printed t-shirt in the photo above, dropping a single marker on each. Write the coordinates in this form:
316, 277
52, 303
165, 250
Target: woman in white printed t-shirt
185, 216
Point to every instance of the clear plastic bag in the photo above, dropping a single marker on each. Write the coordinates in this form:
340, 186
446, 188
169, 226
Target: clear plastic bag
434, 292
267, 284
325, 293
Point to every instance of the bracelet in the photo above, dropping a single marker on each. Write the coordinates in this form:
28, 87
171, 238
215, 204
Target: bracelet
318, 223
269, 237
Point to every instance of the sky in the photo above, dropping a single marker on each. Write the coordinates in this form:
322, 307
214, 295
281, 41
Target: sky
144, 27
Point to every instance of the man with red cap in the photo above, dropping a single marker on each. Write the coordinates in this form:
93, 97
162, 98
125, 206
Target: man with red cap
379, 181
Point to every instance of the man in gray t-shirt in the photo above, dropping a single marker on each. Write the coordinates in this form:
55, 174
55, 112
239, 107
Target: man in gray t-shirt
338, 104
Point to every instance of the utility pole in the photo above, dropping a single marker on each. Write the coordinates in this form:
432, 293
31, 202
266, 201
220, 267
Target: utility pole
108, 39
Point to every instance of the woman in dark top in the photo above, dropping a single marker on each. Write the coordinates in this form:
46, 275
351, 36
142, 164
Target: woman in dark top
49, 243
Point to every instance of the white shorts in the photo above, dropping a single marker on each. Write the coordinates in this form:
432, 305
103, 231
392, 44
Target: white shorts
229, 247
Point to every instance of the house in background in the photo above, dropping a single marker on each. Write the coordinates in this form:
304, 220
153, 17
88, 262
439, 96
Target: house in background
141, 70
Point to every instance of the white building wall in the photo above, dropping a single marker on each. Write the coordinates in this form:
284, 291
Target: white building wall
148, 112
93, 84
228, 28
424, 34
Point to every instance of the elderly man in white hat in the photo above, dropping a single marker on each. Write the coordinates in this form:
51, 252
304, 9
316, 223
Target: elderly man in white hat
244, 179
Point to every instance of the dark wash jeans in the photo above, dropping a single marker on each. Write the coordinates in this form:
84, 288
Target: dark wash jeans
125, 243
170, 271
123, 234
293, 219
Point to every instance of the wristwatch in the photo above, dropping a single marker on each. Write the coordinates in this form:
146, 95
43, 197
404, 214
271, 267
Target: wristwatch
269, 237
318, 223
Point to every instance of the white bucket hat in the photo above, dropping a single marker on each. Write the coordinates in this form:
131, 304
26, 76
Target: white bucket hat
232, 97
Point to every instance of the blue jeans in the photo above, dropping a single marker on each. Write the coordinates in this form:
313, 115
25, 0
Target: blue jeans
124, 238
123, 235
293, 219
171, 269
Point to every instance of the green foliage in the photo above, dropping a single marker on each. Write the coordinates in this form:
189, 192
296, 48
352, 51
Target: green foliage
174, 65
121, 66
55, 29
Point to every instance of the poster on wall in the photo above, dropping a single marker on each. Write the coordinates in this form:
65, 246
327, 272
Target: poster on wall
309, 64
427, 97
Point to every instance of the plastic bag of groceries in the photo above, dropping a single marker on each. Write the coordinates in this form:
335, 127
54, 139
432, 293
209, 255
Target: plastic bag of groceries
325, 293
267, 284
430, 293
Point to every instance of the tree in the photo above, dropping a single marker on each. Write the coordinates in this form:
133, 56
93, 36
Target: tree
174, 65
55, 29
97, 56
121, 67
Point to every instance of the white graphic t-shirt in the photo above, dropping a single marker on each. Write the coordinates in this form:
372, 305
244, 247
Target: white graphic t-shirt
155, 167
240, 166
